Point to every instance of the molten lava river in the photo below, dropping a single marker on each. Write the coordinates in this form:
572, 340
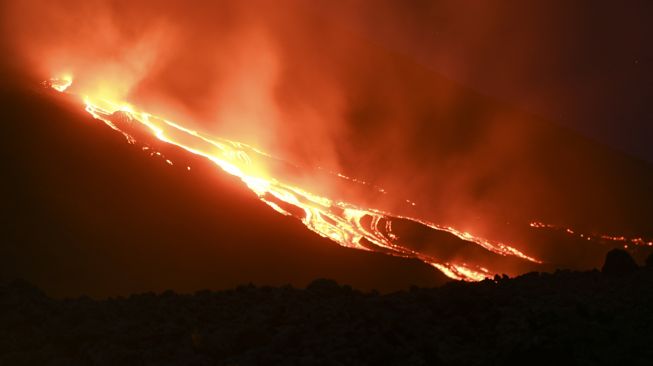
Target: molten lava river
342, 221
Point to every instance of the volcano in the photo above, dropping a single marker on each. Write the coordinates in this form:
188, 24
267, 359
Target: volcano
133, 167
82, 200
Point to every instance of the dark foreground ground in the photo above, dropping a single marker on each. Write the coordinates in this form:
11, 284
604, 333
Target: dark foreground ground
585, 318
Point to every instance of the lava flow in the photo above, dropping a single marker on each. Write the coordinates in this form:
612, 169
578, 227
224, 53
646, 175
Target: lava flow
344, 222
600, 238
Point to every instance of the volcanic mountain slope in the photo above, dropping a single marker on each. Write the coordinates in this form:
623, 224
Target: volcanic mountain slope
336, 101
85, 212
468, 161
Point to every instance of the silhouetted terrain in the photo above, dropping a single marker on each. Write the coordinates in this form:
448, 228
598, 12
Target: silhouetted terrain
582, 318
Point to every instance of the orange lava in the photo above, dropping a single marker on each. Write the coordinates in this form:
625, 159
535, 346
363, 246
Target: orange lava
622, 240
345, 223
60, 84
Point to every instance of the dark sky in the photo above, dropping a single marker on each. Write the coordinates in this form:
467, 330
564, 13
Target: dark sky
584, 64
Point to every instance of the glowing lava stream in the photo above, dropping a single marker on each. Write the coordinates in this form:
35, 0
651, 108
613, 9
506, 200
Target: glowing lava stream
343, 222
622, 240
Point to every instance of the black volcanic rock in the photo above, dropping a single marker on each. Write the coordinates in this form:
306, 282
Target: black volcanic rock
572, 318
618, 262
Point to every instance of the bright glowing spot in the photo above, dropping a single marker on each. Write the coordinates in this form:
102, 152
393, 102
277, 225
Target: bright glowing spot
62, 83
